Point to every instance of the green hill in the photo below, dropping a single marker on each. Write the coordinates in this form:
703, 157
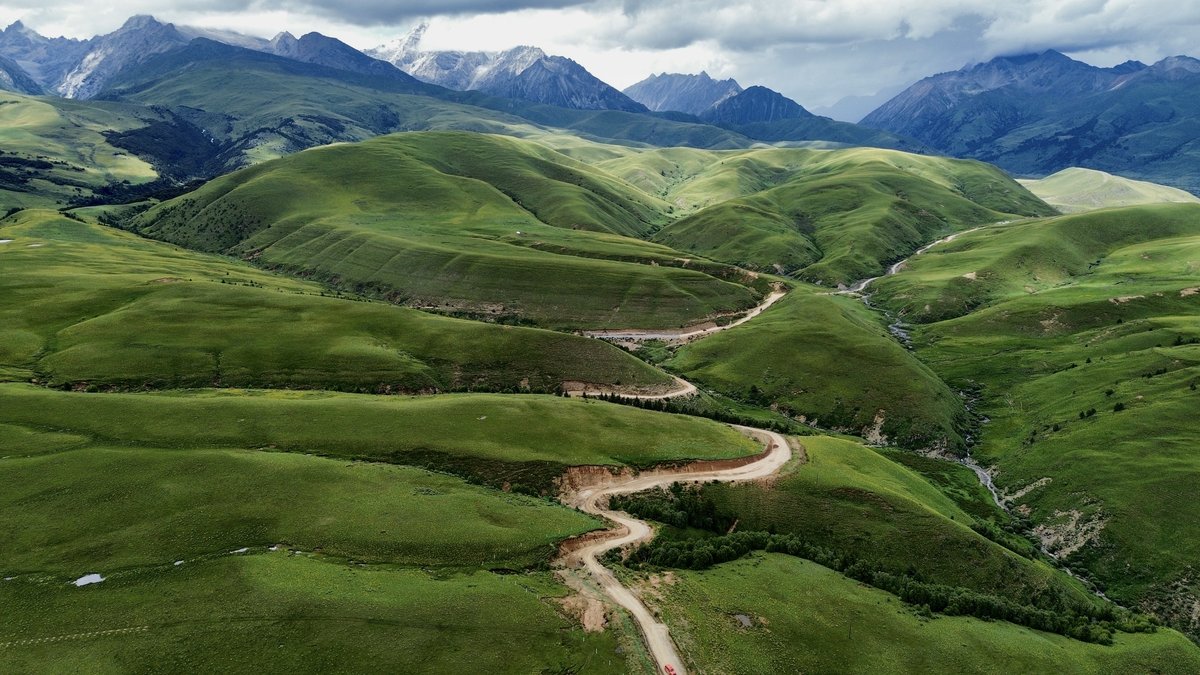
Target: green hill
218, 501
838, 216
1081, 335
806, 618
1073, 190
831, 361
391, 217
115, 310
55, 151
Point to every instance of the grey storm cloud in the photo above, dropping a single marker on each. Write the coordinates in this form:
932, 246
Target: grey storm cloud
815, 51
383, 12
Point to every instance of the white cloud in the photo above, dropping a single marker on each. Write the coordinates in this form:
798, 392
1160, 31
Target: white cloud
815, 51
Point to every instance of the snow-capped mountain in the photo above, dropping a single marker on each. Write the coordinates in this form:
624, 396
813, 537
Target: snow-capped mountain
525, 73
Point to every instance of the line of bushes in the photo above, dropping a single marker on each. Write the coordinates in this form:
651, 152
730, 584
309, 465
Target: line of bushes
682, 507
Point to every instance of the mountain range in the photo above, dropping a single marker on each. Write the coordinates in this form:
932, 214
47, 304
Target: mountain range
523, 73
692, 94
1037, 114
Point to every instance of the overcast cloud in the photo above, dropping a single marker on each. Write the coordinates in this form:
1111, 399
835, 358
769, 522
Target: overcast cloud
816, 51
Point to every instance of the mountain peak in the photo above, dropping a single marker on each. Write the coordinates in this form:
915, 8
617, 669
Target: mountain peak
692, 94
141, 21
756, 104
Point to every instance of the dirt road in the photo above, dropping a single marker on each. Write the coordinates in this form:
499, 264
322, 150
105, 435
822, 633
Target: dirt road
594, 500
683, 335
858, 287
682, 389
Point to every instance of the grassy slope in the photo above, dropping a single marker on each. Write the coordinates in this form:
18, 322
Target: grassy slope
379, 217
542, 433
1075, 190
116, 310
161, 505
1066, 311
65, 141
807, 618
280, 613
830, 359
384, 575
853, 499
831, 216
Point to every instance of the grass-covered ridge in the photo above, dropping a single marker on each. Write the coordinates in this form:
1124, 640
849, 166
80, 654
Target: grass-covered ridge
55, 151
806, 618
844, 214
87, 306
1081, 334
494, 438
393, 218
832, 361
1073, 190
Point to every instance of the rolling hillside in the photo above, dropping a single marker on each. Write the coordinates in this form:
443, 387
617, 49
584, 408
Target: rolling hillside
836, 217
1080, 335
119, 312
1075, 190
392, 217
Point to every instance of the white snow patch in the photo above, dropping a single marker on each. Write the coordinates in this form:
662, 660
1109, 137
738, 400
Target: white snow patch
88, 579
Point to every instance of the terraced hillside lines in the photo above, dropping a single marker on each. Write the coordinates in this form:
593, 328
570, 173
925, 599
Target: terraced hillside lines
830, 360
1081, 334
88, 306
54, 152
376, 218
1076, 190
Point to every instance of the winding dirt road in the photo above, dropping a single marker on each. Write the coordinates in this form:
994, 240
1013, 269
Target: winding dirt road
683, 335
594, 500
858, 287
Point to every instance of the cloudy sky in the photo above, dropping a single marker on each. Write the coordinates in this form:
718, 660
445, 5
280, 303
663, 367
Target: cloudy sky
816, 51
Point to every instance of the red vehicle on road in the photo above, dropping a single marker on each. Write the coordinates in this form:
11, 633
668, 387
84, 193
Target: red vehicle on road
669, 669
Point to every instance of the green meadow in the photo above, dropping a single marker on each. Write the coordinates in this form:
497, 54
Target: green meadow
831, 360
117, 311
383, 218
53, 151
1080, 336
806, 618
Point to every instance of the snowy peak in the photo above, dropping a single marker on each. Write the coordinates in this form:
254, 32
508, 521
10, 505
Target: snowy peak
524, 73
692, 94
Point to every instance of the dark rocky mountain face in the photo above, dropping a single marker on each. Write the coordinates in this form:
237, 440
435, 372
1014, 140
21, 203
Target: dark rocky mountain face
692, 94
1041, 113
46, 60
333, 53
14, 78
81, 68
755, 105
